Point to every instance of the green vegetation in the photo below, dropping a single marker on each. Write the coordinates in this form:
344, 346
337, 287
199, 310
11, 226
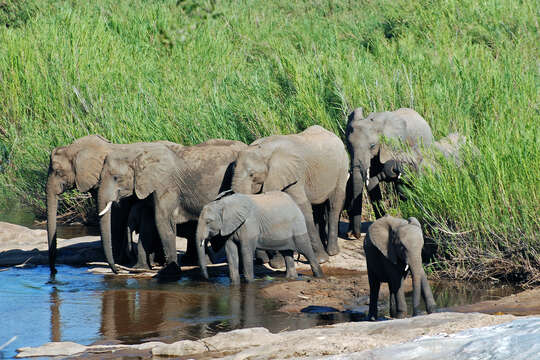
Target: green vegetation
188, 71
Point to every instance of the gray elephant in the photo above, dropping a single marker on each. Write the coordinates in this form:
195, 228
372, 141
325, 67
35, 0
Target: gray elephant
417, 160
310, 166
368, 154
392, 247
79, 165
269, 221
181, 179
141, 220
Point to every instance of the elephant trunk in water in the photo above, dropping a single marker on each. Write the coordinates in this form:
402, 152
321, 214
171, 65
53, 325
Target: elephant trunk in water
52, 207
104, 207
202, 234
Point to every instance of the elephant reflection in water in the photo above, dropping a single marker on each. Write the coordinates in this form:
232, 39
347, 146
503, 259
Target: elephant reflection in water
56, 333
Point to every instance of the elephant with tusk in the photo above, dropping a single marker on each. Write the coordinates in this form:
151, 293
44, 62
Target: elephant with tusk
181, 179
79, 165
368, 154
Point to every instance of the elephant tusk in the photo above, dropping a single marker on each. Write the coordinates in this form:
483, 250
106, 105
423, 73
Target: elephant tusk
406, 267
107, 208
367, 177
399, 176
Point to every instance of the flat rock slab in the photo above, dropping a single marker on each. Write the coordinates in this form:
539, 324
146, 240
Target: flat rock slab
341, 340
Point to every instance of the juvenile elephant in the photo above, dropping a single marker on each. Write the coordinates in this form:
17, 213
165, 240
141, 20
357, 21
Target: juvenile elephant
449, 147
79, 165
368, 154
182, 180
142, 221
310, 166
269, 221
392, 247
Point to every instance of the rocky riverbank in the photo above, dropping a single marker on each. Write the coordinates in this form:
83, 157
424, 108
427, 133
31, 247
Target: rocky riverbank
344, 286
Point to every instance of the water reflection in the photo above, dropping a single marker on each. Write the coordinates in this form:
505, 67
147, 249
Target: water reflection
87, 308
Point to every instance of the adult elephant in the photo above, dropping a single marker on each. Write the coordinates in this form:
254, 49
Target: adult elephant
392, 247
368, 155
79, 165
181, 179
310, 166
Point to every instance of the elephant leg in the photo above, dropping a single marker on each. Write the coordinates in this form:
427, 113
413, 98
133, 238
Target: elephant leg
247, 260
303, 246
142, 254
374, 287
231, 250
276, 260
336, 202
428, 296
305, 206
167, 233
262, 256
375, 196
401, 304
289, 264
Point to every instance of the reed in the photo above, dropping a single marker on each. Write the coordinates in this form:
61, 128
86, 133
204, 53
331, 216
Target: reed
187, 71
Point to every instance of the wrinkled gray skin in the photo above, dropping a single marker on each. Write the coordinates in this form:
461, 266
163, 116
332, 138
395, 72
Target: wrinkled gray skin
368, 154
141, 220
310, 166
269, 221
79, 165
392, 247
181, 179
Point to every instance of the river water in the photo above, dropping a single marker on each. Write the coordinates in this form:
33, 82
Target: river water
88, 308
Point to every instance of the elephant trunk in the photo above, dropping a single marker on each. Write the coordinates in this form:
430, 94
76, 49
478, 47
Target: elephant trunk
201, 236
418, 276
52, 208
359, 176
104, 208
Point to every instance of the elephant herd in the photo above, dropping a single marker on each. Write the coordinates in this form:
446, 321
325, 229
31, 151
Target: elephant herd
280, 194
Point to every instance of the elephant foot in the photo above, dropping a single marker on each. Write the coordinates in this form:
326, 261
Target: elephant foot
277, 261
333, 249
171, 272
322, 257
401, 315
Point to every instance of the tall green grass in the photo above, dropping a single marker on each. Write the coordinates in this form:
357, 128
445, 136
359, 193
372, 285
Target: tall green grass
188, 70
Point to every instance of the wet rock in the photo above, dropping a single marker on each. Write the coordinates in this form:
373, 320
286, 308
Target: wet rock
51, 349
179, 348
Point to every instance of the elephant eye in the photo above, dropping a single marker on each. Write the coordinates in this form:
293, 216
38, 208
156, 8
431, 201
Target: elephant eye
115, 178
251, 174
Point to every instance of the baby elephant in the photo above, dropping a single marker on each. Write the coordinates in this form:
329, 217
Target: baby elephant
392, 246
269, 221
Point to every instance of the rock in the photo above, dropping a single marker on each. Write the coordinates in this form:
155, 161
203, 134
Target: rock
179, 348
227, 341
52, 349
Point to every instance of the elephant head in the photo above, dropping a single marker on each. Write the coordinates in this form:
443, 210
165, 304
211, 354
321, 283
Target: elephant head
78, 164
261, 169
364, 144
135, 170
401, 242
221, 217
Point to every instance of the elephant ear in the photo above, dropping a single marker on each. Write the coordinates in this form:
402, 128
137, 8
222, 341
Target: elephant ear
383, 235
88, 165
284, 169
379, 234
236, 209
385, 154
152, 170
